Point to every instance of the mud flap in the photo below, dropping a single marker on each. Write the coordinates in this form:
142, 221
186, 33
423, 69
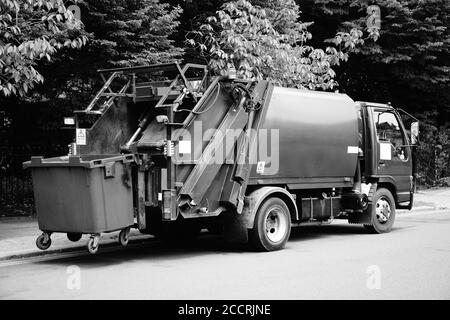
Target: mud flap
235, 229
361, 217
409, 205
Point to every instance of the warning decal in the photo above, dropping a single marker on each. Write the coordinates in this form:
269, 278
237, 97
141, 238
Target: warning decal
81, 137
260, 167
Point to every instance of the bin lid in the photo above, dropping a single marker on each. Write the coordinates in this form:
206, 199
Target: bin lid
86, 161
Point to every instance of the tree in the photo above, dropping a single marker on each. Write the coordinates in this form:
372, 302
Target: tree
408, 65
269, 42
32, 30
120, 33
132, 32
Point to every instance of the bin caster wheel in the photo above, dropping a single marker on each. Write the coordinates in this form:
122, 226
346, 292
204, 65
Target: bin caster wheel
93, 244
124, 236
74, 237
43, 242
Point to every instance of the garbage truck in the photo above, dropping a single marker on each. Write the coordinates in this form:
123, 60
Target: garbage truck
170, 150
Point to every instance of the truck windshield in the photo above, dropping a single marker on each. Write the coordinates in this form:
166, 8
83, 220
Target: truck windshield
388, 130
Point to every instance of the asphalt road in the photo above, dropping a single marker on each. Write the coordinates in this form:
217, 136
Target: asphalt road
338, 261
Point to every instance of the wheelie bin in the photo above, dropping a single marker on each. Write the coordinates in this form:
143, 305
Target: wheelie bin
83, 194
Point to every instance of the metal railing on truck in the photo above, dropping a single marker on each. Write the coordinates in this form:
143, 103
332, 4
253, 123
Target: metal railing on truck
131, 85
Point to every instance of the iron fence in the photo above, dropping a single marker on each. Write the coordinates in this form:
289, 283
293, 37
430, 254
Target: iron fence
16, 188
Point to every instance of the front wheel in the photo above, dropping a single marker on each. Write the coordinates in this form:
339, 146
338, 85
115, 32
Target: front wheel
382, 212
272, 226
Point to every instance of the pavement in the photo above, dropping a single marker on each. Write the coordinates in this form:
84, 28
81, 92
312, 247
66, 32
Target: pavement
18, 234
18, 238
435, 199
336, 261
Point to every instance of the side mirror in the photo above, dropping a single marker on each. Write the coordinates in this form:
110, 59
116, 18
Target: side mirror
414, 132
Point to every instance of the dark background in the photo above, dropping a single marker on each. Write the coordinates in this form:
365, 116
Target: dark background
401, 67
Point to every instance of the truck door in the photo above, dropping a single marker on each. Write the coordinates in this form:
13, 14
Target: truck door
394, 160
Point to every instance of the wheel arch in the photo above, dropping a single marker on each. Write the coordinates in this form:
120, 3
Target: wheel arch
389, 186
254, 200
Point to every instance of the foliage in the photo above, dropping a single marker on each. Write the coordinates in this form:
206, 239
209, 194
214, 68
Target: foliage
270, 43
132, 32
408, 65
32, 30
433, 154
413, 33
122, 33
114, 39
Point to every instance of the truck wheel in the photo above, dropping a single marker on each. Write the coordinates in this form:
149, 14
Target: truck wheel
272, 226
74, 237
383, 212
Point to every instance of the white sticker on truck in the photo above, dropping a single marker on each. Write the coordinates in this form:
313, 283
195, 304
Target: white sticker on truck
365, 188
385, 151
352, 149
260, 167
81, 137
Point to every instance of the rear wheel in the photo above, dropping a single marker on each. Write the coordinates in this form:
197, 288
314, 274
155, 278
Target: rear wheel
272, 226
382, 212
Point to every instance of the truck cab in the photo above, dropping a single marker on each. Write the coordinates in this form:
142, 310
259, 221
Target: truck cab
389, 156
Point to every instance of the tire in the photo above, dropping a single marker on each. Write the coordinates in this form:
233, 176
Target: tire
382, 212
272, 226
74, 237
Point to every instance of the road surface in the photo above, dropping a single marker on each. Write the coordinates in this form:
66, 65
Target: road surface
338, 261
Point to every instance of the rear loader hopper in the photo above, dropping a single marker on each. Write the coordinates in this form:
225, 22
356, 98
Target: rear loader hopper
169, 150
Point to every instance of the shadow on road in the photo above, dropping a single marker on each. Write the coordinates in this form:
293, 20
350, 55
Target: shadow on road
311, 232
206, 244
